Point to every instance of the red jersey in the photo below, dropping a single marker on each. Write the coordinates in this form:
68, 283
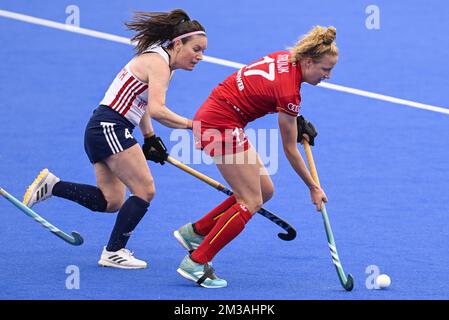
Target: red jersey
270, 84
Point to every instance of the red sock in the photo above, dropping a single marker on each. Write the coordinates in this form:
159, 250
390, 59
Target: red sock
206, 223
228, 226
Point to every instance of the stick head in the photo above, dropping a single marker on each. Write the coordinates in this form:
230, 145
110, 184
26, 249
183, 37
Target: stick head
349, 285
289, 236
75, 239
78, 240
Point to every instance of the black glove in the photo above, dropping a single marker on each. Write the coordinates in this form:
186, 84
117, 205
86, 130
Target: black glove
154, 149
306, 127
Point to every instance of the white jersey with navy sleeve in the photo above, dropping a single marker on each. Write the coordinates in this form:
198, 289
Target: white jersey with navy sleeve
127, 94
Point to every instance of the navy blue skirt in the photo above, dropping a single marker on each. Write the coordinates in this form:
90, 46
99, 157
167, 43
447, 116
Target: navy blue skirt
107, 133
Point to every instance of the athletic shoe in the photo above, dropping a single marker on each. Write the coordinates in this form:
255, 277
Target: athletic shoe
187, 237
122, 259
41, 188
202, 274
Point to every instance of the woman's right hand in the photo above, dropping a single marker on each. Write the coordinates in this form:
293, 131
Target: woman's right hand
154, 149
318, 196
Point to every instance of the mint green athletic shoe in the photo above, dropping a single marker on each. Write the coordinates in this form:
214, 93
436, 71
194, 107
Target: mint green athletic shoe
187, 237
202, 274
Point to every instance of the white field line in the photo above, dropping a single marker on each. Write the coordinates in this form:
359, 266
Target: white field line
227, 63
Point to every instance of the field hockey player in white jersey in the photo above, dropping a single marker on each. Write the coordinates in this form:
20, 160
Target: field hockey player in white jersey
164, 42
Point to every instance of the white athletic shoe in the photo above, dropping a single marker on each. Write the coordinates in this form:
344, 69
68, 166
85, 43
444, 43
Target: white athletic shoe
122, 259
41, 188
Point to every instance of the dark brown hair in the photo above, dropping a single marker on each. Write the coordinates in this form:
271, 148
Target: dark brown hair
161, 27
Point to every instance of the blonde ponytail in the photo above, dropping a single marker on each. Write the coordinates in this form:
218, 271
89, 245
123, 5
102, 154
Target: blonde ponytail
315, 44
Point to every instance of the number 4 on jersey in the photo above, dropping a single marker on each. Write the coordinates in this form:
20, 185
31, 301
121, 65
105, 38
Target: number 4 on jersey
128, 135
267, 75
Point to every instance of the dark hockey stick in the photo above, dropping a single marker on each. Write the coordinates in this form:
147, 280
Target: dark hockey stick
291, 232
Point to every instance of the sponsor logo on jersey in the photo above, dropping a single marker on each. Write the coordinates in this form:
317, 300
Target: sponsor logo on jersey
293, 107
141, 104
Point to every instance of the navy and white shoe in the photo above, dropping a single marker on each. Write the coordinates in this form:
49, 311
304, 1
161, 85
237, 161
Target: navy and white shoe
123, 259
41, 188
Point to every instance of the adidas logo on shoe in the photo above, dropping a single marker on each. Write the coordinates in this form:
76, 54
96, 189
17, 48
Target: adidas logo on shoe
41, 188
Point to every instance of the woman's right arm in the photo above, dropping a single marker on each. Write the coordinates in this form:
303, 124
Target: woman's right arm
157, 73
289, 134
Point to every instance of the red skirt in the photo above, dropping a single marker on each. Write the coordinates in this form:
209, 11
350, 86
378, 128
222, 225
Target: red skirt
218, 128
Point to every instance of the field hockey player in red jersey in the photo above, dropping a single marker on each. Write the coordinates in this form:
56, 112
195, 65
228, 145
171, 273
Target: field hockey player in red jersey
269, 85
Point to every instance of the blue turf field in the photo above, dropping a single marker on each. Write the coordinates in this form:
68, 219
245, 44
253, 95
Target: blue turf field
384, 166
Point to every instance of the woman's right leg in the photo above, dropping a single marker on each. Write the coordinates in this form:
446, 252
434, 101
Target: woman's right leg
244, 179
130, 168
207, 222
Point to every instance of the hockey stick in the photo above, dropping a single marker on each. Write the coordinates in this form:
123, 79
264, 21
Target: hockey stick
346, 282
75, 239
291, 232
